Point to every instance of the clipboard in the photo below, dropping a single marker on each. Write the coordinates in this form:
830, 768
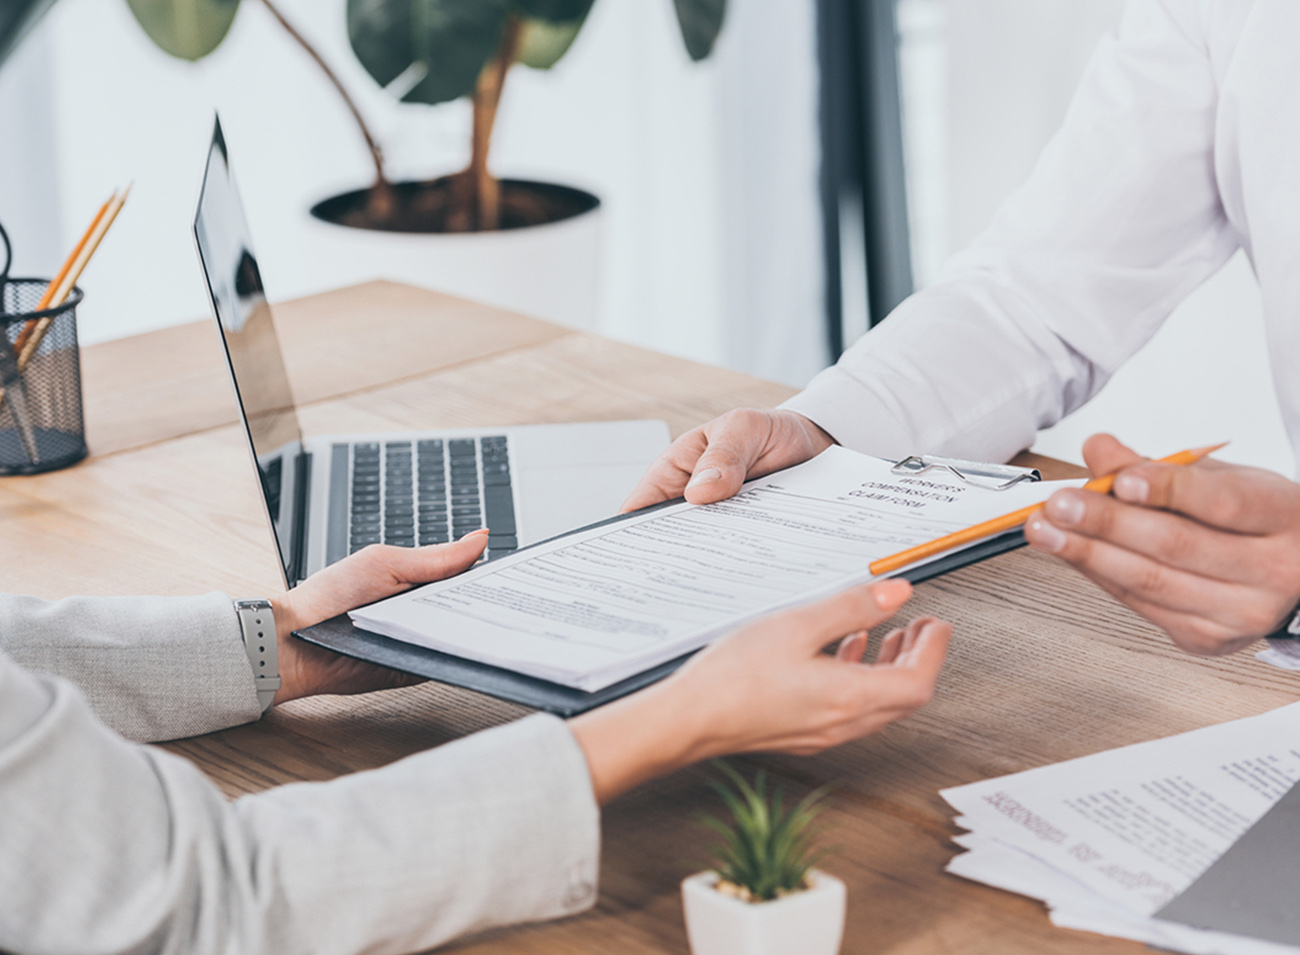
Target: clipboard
342, 636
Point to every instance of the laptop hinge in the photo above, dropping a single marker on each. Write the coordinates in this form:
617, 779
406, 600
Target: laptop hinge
302, 495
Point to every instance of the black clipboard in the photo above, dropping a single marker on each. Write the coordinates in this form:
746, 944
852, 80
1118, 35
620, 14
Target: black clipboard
342, 636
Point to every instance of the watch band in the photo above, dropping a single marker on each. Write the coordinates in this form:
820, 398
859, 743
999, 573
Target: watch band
257, 628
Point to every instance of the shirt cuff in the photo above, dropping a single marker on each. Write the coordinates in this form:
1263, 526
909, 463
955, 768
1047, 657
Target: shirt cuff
856, 416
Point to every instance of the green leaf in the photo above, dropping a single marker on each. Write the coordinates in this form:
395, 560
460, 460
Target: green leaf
452, 40
556, 11
542, 43
189, 29
701, 22
767, 848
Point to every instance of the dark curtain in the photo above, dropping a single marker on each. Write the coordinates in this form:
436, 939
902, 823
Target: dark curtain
862, 154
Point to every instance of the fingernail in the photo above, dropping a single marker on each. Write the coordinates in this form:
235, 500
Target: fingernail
890, 593
1066, 508
1043, 535
707, 476
1131, 488
481, 530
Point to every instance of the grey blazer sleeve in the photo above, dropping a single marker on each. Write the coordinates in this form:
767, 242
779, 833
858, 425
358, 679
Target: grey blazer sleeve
114, 847
152, 668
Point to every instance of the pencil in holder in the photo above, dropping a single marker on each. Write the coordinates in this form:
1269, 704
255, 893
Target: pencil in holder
44, 429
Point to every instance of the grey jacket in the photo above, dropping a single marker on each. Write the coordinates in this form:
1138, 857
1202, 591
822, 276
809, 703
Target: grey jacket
111, 846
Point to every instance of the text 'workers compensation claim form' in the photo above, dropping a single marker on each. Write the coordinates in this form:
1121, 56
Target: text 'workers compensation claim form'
600, 605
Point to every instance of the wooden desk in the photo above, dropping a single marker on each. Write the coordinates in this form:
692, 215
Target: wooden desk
1044, 666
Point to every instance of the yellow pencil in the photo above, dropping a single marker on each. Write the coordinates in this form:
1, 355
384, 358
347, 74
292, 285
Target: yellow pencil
1006, 522
48, 298
34, 331
60, 287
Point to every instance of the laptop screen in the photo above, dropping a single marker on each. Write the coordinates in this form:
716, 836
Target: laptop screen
252, 349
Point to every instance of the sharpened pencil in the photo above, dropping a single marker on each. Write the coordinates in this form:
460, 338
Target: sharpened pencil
1007, 522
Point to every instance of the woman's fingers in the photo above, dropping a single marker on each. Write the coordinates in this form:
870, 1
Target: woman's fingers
852, 648
816, 625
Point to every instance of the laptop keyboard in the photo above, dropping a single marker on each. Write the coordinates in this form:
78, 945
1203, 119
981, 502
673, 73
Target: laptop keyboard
431, 492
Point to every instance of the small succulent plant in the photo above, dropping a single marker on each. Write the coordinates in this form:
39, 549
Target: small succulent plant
766, 849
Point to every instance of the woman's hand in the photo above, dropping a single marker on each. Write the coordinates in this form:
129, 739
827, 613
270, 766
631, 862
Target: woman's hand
709, 463
769, 686
371, 574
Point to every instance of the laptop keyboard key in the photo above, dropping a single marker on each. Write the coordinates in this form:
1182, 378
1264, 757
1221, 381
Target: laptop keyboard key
499, 509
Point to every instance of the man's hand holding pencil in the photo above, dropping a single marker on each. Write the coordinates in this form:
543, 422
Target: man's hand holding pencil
1210, 553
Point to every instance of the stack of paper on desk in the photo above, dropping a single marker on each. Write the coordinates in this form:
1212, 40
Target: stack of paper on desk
1108, 840
597, 606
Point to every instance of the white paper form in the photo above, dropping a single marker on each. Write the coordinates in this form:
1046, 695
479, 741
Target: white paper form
595, 607
1138, 825
1074, 905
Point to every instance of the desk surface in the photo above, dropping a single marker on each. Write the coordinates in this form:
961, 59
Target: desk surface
1044, 666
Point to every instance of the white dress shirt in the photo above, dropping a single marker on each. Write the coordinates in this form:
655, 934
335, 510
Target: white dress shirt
108, 846
1181, 146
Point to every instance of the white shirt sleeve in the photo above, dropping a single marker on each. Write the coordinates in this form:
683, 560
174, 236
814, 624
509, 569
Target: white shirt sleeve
114, 847
1119, 221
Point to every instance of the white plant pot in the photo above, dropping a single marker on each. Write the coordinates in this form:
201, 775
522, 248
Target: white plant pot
805, 923
548, 271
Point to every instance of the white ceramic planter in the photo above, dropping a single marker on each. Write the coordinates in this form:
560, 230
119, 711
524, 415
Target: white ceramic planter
806, 923
547, 271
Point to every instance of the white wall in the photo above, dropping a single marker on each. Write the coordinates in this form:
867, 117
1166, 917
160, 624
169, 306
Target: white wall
988, 83
30, 198
625, 114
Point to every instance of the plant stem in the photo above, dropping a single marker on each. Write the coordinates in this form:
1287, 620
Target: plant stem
381, 194
487, 98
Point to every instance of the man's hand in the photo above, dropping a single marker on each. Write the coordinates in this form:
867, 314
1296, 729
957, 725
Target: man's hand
371, 574
710, 462
769, 686
1209, 552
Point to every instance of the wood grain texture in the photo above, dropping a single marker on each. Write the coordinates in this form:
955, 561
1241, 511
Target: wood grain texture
1043, 667
167, 383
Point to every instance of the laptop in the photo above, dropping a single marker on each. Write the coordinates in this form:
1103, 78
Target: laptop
329, 496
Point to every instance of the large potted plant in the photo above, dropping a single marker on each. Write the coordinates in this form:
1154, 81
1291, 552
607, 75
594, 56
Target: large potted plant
435, 52
532, 246
763, 895
465, 231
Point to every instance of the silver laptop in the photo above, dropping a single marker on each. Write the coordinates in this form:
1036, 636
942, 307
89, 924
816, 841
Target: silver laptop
329, 496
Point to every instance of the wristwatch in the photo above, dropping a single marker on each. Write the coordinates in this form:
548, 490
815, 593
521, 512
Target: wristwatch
257, 627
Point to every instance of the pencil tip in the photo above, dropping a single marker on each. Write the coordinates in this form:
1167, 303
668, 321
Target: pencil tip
1210, 449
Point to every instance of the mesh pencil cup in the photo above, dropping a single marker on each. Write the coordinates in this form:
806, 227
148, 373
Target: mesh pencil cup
44, 345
